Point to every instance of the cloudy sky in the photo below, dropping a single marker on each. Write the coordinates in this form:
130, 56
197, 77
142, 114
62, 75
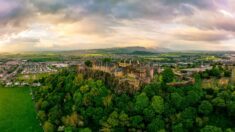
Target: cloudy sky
85, 24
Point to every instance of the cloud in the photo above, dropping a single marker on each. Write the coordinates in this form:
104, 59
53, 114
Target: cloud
203, 35
69, 24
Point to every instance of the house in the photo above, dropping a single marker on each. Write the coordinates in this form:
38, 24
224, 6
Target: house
60, 65
9, 84
36, 84
16, 83
190, 71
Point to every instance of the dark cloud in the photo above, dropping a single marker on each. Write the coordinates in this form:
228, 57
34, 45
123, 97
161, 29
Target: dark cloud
104, 17
203, 4
121, 9
75, 10
11, 12
49, 6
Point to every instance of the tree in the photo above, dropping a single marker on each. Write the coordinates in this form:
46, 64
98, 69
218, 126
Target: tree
168, 75
219, 102
188, 116
178, 128
124, 119
136, 121
229, 130
107, 60
216, 72
85, 130
177, 100
48, 127
88, 63
142, 101
205, 107
72, 102
107, 101
122, 101
231, 109
227, 73
149, 90
113, 119
156, 125
45, 105
55, 114
209, 128
225, 95
42, 115
193, 97
149, 113
158, 104
77, 97
84, 89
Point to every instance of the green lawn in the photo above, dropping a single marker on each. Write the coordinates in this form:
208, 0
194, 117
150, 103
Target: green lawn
17, 113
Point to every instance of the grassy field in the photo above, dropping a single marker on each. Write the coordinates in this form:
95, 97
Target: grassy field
17, 113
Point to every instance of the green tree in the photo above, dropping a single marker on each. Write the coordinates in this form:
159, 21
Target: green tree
77, 97
231, 109
85, 130
84, 89
219, 102
107, 101
229, 130
42, 116
205, 107
188, 116
209, 128
178, 128
45, 105
113, 119
124, 119
193, 97
136, 121
168, 75
149, 113
156, 125
216, 72
107, 60
176, 100
48, 127
158, 104
142, 101
88, 63
227, 73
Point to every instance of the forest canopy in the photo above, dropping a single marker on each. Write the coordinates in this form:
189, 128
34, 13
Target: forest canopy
70, 101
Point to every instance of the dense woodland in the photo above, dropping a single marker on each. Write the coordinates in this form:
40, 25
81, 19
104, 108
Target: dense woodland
216, 71
71, 101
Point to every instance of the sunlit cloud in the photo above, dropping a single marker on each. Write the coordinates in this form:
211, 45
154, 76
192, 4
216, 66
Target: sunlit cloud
226, 13
77, 24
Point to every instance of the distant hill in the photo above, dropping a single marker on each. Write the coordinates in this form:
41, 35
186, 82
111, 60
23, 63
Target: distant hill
142, 53
131, 50
137, 50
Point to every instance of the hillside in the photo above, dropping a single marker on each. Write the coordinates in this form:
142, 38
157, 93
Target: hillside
118, 50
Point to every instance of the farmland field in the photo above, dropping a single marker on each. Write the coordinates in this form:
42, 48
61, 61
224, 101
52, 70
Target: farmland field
17, 113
